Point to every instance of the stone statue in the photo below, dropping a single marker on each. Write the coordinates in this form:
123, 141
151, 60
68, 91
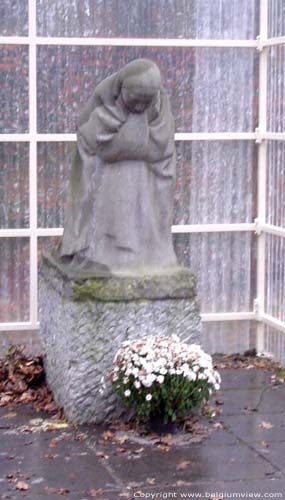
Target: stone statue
120, 203
114, 276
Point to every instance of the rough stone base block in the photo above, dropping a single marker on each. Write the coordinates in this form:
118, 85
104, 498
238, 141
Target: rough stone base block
82, 324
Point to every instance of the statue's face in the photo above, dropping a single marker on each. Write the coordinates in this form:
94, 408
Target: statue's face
136, 99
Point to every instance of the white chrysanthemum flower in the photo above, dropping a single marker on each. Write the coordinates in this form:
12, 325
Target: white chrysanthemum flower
148, 380
127, 393
148, 397
175, 338
137, 384
160, 379
125, 380
163, 371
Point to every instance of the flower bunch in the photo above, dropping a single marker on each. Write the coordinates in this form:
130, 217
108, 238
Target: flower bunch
162, 375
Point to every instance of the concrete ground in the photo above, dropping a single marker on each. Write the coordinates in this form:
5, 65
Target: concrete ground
242, 452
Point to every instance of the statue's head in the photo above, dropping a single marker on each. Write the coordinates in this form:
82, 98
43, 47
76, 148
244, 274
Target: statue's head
140, 83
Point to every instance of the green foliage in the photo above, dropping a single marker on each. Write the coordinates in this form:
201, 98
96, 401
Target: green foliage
175, 396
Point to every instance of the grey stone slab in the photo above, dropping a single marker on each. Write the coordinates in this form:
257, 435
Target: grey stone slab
238, 401
273, 400
275, 453
256, 427
207, 463
238, 378
55, 459
217, 437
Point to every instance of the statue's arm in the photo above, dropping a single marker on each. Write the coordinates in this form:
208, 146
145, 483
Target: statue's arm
100, 128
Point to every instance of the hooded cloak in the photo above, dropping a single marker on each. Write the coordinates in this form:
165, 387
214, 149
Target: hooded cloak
120, 202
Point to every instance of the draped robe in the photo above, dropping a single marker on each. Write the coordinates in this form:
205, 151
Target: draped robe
120, 202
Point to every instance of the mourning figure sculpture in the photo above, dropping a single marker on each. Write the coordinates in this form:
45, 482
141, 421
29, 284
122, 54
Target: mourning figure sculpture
120, 201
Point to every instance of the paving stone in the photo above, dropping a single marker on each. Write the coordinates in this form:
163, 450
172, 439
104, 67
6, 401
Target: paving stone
273, 400
238, 401
206, 462
218, 464
238, 378
274, 453
256, 427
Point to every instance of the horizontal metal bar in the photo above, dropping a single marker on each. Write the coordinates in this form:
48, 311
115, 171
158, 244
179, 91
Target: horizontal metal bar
14, 40
207, 317
273, 136
271, 229
216, 136
228, 316
55, 137
22, 233
8, 327
53, 231
15, 137
130, 42
15, 233
270, 42
273, 322
213, 228
177, 229
179, 136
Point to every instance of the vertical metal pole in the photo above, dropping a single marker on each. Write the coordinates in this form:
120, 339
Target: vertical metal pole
33, 162
262, 160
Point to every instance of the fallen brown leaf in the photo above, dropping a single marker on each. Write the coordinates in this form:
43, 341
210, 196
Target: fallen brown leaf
10, 415
218, 425
22, 486
138, 451
108, 435
53, 443
56, 491
94, 492
265, 425
183, 465
163, 447
151, 480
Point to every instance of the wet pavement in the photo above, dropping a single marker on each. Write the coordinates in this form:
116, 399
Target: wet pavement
242, 451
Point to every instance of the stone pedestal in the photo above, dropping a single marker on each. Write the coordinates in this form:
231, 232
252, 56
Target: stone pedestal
83, 323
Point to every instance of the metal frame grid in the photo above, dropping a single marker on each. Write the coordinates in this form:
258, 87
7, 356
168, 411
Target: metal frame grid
260, 136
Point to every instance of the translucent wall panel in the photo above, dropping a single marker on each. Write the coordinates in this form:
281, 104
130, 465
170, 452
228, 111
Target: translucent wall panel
210, 89
14, 89
54, 166
14, 17
274, 344
276, 88
275, 276
148, 18
225, 84
216, 182
276, 18
225, 267
14, 279
228, 336
276, 183
14, 185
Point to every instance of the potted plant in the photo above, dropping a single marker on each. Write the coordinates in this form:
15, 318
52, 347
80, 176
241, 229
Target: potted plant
161, 377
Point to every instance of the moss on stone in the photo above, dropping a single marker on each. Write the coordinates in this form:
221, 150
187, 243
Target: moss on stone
181, 284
